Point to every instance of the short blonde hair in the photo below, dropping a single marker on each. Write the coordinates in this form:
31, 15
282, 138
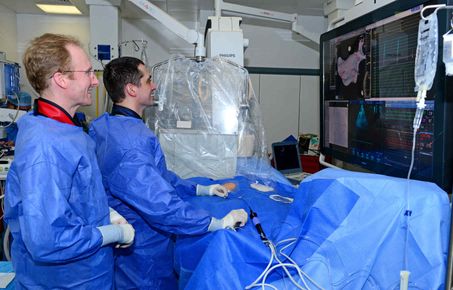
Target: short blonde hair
46, 55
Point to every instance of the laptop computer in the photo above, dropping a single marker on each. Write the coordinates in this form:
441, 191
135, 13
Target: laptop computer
287, 161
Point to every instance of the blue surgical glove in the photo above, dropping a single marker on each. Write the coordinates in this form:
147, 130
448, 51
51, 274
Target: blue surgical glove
122, 234
234, 219
214, 189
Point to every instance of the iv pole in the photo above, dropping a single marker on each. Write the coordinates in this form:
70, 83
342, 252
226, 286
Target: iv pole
449, 274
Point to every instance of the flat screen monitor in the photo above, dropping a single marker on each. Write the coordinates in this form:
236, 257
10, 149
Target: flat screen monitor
368, 97
286, 157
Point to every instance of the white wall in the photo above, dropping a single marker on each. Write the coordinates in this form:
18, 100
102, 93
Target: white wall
8, 33
289, 105
279, 99
309, 103
274, 45
30, 26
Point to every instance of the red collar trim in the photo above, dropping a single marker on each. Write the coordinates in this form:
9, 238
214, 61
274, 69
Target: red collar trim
53, 111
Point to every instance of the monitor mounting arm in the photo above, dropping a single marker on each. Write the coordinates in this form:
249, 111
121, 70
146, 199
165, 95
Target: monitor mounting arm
267, 14
189, 35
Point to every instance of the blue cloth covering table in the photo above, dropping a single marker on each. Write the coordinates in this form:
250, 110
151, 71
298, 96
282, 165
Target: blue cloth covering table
352, 231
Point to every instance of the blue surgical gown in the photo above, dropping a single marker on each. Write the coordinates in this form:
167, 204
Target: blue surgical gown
149, 196
54, 202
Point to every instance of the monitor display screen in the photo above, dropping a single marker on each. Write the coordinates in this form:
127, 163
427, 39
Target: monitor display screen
286, 157
369, 99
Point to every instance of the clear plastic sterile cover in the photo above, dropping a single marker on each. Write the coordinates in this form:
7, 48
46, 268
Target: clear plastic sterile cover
208, 120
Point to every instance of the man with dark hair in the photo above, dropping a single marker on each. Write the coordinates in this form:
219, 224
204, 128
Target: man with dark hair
55, 203
139, 185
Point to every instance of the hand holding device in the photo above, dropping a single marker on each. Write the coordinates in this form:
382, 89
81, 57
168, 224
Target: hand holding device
214, 189
234, 219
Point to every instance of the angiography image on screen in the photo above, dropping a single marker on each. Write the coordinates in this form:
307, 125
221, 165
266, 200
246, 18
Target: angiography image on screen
348, 68
351, 67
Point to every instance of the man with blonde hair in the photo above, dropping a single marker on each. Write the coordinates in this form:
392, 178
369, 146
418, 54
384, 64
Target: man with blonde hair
55, 203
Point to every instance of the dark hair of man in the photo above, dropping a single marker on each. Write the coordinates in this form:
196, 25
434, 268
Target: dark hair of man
120, 72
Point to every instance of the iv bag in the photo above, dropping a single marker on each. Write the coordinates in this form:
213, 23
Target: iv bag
426, 56
448, 53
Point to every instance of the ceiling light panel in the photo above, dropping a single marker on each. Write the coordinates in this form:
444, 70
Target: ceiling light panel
58, 7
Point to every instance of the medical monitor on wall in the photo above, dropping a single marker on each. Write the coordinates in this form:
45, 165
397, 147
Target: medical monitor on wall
368, 97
